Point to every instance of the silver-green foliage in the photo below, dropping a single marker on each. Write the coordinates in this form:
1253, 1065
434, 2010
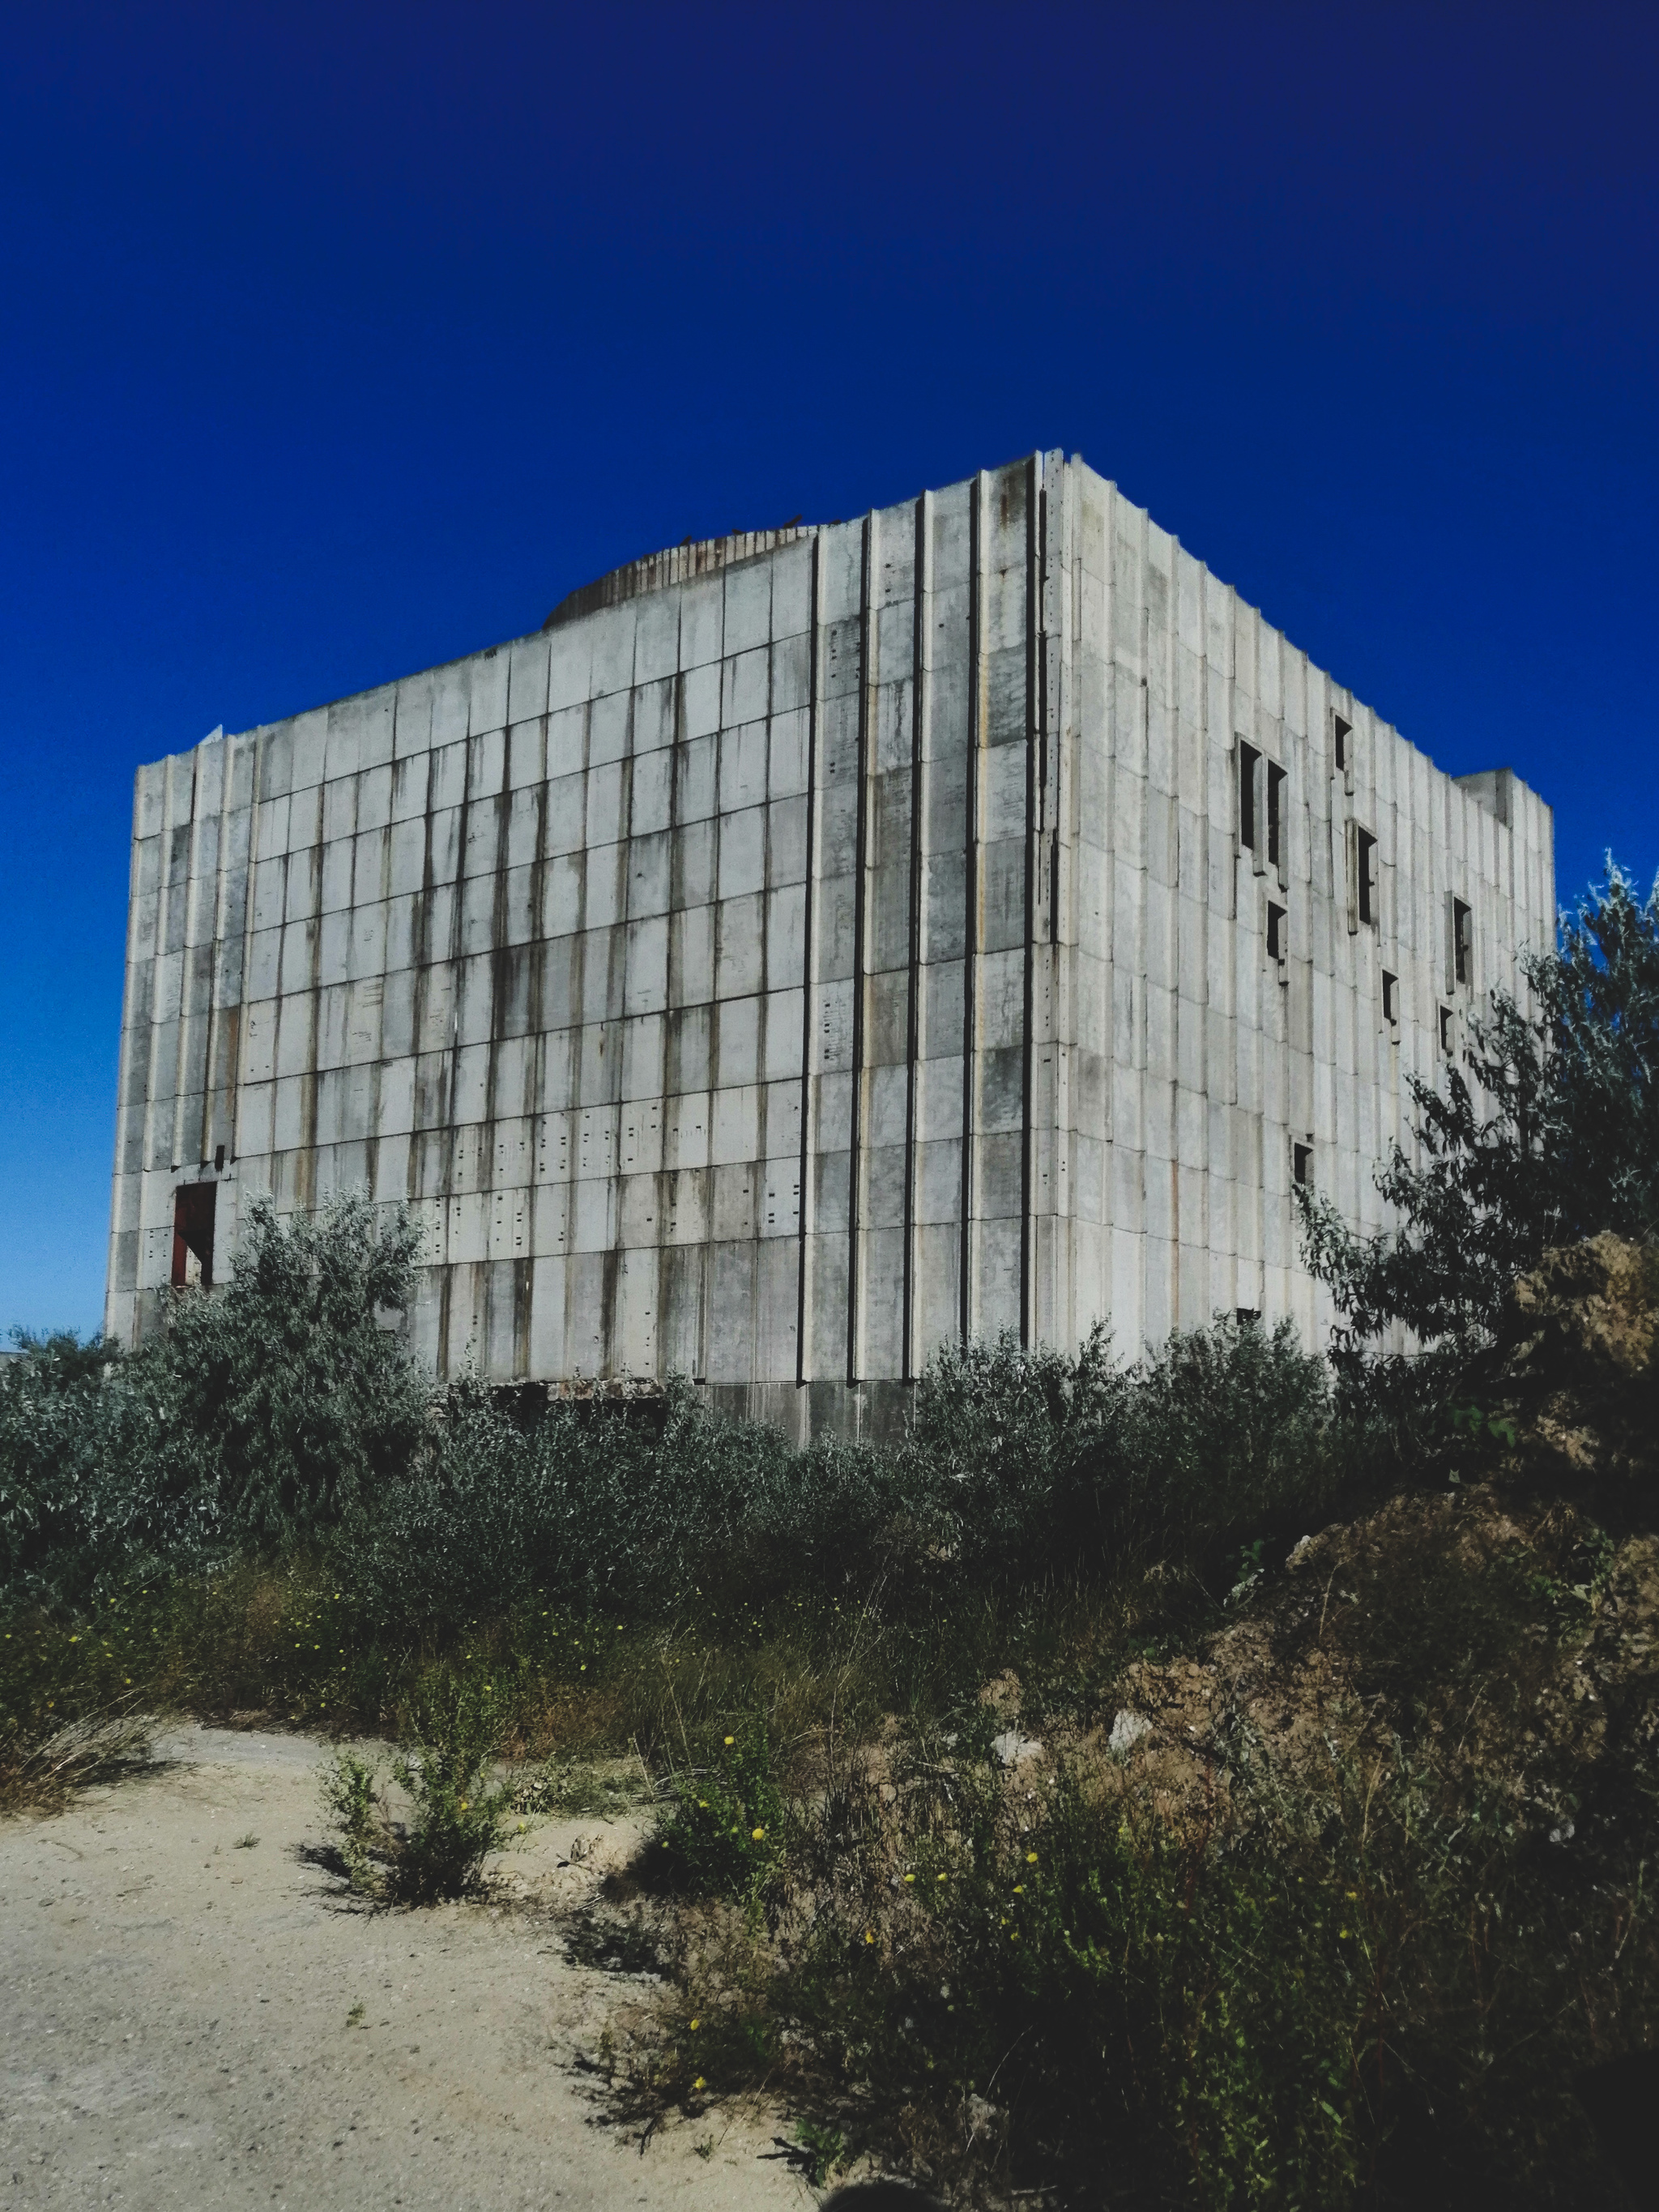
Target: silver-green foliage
260, 1417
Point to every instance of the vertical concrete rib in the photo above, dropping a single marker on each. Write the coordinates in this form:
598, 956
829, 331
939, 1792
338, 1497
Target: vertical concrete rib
234, 1070
1035, 779
972, 920
807, 1214
919, 696
860, 935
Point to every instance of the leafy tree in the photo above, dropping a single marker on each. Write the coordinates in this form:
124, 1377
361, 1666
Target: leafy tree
298, 1401
1552, 1136
262, 1415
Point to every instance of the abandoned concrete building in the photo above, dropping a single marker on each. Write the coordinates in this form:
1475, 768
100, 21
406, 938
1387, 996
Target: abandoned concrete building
811, 947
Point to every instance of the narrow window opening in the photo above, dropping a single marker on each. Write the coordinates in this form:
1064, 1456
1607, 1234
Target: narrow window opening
1302, 1164
1276, 817
218, 1159
192, 1235
1277, 932
1341, 731
1390, 997
1446, 1030
1463, 943
1249, 761
1365, 857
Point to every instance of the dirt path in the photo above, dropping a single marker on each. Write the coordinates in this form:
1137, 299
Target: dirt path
175, 2026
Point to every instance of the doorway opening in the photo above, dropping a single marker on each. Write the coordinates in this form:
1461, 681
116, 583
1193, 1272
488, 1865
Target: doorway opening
192, 1235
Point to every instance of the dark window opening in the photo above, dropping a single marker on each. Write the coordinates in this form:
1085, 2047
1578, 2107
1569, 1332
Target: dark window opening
1364, 862
218, 1159
192, 1235
1302, 1164
1276, 932
1247, 1316
1446, 1030
1462, 942
1275, 818
1390, 997
1341, 733
1249, 758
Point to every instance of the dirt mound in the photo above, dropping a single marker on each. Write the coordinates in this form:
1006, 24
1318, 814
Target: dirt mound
1576, 1369
1502, 1629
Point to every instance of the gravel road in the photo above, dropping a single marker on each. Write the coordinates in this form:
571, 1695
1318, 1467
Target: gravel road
196, 2023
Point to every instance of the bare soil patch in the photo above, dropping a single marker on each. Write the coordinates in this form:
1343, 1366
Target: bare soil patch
197, 2020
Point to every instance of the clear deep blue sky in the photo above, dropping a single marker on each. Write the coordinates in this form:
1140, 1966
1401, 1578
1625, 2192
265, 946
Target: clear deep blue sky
336, 341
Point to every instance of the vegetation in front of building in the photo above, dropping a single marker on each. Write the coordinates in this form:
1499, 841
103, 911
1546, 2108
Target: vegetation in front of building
1225, 1778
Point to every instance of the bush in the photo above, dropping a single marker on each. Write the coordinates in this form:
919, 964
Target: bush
591, 1506
725, 1834
1227, 1433
1564, 1145
457, 1819
1035, 1464
262, 1417
298, 1405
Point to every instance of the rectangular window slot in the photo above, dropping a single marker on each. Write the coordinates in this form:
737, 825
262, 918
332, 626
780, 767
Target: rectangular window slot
1249, 777
1276, 818
1390, 997
1463, 943
1302, 1164
1277, 932
1247, 1316
1341, 731
1365, 858
1446, 1030
192, 1235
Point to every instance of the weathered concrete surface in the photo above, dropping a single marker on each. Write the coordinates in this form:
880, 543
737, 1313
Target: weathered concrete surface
817, 945
176, 2033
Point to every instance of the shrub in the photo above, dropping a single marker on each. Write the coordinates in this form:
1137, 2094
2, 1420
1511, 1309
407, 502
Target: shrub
262, 1416
994, 1459
592, 1506
1226, 1431
1032, 1464
724, 1835
457, 1818
299, 1406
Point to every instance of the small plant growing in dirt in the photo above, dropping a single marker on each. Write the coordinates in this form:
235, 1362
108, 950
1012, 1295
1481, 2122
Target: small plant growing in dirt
823, 2152
363, 1834
724, 1836
457, 1822
457, 1819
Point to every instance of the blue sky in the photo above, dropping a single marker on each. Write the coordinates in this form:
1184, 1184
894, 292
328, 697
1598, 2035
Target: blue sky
338, 341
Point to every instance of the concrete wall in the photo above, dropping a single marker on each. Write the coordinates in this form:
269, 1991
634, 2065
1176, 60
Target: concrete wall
811, 948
